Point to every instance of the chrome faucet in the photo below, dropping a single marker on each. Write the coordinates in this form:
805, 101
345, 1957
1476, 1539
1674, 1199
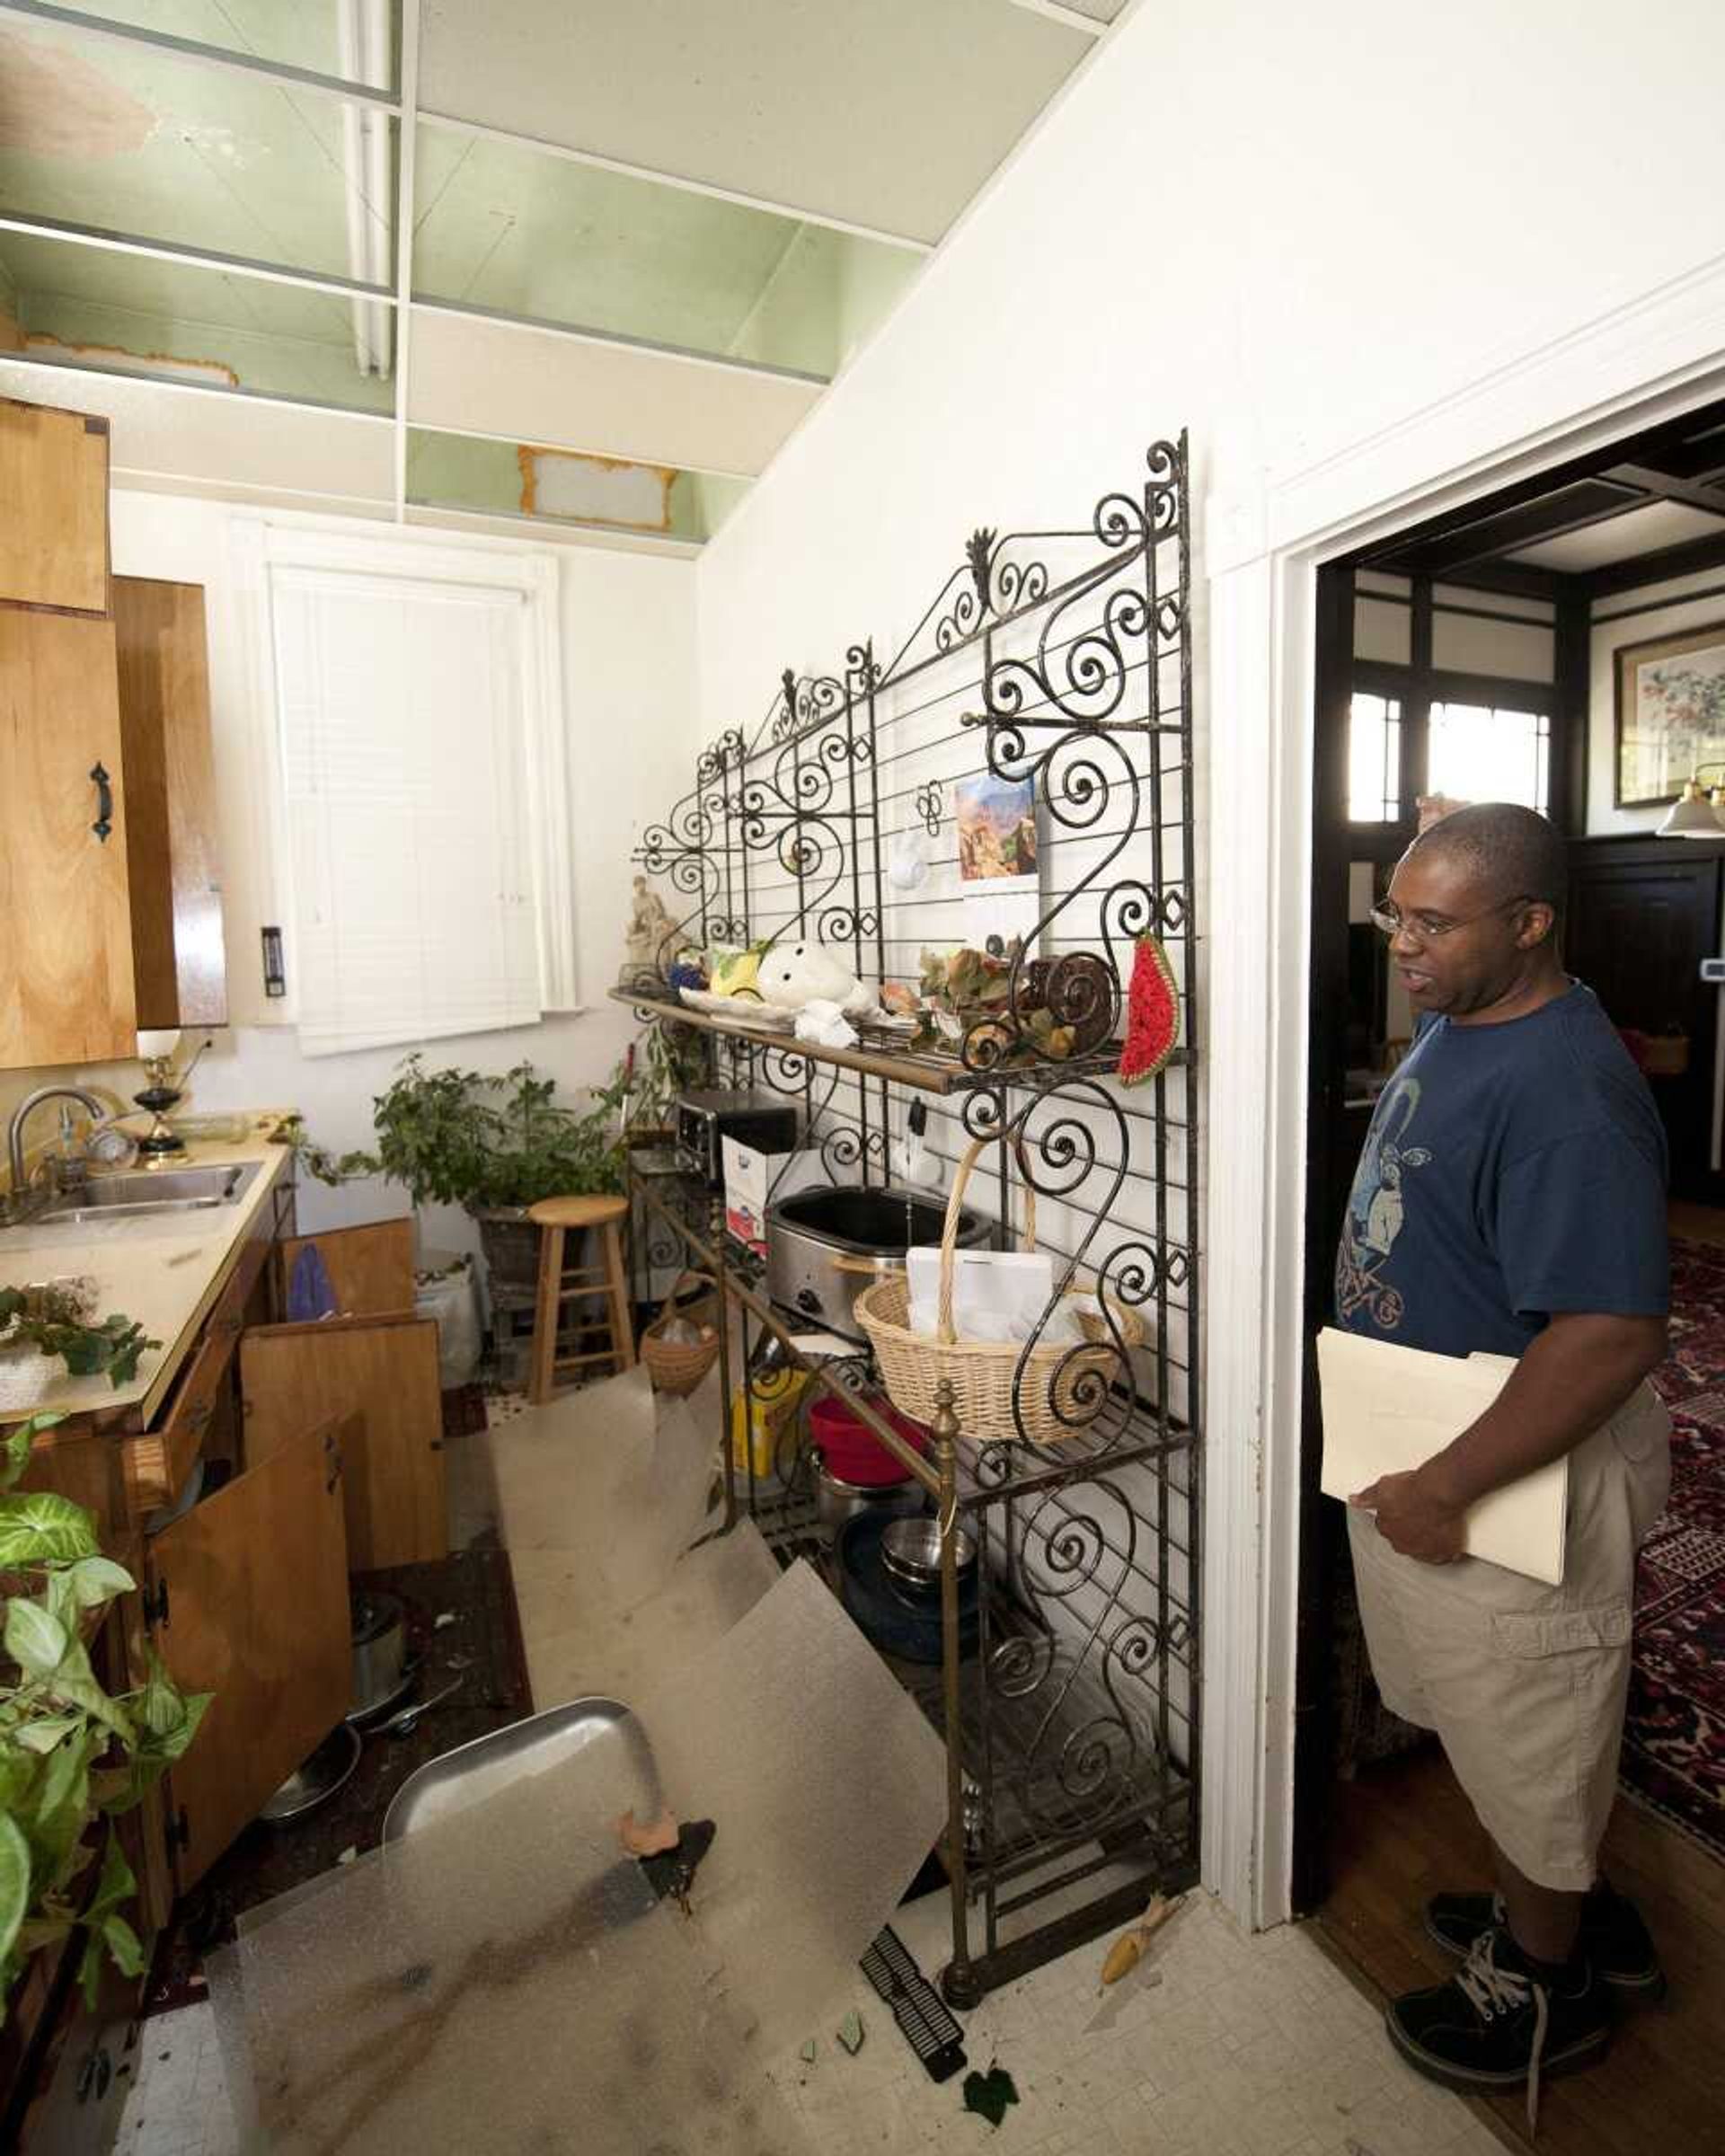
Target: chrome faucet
15, 1131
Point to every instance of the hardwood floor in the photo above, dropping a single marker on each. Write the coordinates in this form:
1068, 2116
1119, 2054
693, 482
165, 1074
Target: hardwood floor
1698, 1224
1402, 1831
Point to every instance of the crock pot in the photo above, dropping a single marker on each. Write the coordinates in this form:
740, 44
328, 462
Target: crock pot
825, 1246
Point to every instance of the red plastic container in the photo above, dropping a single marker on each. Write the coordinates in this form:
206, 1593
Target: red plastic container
852, 1451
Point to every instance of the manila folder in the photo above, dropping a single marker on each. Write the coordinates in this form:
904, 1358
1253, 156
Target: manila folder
1386, 1409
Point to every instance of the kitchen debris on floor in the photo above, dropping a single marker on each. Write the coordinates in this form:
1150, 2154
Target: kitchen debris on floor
411, 1999
1253, 2046
988, 2094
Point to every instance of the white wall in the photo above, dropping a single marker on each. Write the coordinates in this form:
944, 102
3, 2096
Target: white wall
1632, 618
627, 630
1204, 231
1295, 232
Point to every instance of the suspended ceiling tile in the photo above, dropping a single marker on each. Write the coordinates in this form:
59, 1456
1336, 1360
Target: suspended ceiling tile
440, 517
558, 487
122, 137
524, 232
606, 400
1622, 538
889, 116
209, 440
305, 35
136, 313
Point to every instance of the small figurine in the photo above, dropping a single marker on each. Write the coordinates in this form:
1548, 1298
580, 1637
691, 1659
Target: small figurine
648, 937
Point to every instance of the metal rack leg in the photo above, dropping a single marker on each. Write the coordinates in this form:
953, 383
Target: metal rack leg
959, 1978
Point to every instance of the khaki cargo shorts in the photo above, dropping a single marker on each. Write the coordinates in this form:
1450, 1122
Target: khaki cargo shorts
1526, 1684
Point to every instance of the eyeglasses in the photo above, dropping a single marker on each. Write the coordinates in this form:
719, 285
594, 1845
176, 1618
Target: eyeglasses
1430, 928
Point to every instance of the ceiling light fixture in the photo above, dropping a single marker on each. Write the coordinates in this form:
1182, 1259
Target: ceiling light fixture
363, 29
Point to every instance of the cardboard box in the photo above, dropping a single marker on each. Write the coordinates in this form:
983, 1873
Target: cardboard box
752, 1178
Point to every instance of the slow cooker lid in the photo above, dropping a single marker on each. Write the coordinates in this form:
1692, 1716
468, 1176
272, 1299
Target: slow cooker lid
867, 1219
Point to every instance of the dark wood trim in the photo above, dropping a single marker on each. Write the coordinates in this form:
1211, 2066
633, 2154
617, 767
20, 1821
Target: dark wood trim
1498, 530
1694, 493
1571, 729
1659, 605
1512, 581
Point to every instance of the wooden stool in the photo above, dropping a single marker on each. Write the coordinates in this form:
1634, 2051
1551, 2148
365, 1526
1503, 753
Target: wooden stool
555, 1217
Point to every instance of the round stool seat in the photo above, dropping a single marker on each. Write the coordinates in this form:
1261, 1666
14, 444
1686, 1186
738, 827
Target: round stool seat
590, 1212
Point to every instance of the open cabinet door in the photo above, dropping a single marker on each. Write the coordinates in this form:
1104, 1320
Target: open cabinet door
371, 1268
383, 1373
247, 1598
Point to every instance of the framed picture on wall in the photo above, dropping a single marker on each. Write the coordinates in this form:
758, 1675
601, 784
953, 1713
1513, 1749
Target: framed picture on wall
1670, 713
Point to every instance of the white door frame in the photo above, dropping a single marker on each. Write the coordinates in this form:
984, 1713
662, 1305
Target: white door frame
1645, 361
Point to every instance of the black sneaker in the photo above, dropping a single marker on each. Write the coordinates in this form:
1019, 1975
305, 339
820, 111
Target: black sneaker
1502, 2019
1612, 1936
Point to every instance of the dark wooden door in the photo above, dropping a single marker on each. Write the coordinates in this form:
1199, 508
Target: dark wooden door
1643, 914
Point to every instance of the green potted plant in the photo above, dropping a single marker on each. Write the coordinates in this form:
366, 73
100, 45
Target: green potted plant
72, 1758
495, 1144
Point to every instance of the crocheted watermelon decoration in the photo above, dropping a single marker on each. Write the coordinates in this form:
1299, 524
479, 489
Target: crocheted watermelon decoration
1152, 1014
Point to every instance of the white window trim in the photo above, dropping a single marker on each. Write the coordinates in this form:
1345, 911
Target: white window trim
261, 547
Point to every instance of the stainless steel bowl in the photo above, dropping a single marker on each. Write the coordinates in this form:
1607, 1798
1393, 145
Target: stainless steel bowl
837, 1501
315, 1779
910, 1550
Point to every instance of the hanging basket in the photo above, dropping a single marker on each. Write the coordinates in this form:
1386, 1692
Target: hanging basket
678, 1366
1057, 1398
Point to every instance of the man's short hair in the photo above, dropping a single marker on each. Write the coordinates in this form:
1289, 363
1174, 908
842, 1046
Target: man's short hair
1513, 850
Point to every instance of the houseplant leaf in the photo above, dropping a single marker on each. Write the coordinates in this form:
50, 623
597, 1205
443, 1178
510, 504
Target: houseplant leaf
19, 1441
98, 1579
36, 1641
42, 1527
14, 1885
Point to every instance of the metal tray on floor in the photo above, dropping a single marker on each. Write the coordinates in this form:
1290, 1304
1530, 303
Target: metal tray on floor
476, 1770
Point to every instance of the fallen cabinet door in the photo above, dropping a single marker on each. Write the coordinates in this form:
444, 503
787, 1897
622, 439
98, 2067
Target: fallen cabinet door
383, 1372
246, 1597
371, 1268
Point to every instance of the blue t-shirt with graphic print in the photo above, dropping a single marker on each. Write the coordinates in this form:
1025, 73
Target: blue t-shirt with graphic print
1512, 1172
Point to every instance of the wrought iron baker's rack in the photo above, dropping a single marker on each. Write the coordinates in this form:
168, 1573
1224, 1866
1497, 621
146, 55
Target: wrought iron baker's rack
1073, 1731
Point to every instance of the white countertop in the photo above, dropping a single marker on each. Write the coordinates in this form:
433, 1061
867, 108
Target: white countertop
165, 1269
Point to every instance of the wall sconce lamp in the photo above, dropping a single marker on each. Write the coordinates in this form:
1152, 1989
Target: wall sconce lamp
1696, 813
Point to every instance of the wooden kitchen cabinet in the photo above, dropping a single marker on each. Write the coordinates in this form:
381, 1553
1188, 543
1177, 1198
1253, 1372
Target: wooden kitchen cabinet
65, 957
53, 508
177, 957
247, 1597
382, 1371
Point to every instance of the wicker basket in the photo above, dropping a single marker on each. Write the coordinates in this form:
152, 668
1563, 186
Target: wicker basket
677, 1367
1055, 1395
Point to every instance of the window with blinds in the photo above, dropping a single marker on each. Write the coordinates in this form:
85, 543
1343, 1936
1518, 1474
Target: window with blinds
415, 820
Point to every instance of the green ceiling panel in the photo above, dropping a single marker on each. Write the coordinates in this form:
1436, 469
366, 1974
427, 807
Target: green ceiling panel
126, 310
97, 132
463, 471
296, 33
526, 233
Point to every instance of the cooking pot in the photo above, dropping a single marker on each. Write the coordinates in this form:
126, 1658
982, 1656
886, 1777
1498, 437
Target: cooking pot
379, 1651
837, 1501
910, 1550
825, 1246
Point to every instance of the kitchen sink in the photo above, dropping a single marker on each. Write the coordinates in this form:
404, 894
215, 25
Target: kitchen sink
132, 1195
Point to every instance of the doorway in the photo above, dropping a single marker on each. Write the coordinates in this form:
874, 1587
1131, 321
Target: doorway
1478, 656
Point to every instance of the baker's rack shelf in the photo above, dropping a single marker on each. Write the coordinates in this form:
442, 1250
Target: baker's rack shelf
1073, 1731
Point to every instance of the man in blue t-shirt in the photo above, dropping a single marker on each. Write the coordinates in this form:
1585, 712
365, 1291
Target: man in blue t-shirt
1510, 1200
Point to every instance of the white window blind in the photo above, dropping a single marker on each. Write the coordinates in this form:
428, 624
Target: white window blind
404, 743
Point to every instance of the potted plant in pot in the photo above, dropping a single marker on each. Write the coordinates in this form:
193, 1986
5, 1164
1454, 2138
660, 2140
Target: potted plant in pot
494, 1143
72, 1758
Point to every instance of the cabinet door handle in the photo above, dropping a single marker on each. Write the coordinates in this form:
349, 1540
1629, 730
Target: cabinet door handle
105, 822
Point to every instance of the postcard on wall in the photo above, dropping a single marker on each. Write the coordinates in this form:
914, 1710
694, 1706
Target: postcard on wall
996, 823
1670, 713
